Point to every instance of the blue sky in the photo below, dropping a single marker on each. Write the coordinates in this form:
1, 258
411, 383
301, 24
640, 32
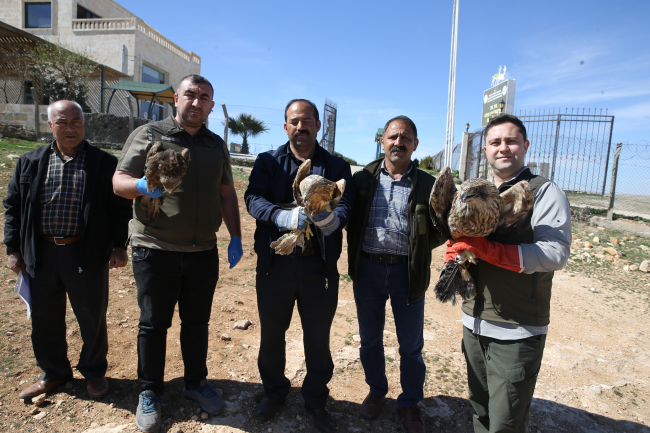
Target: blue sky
380, 59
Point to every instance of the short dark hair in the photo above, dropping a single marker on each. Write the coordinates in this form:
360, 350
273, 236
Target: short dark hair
196, 79
403, 119
313, 107
502, 118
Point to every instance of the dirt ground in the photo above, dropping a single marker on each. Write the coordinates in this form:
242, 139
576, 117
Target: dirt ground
594, 378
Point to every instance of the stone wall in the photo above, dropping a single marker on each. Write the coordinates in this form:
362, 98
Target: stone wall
22, 116
108, 130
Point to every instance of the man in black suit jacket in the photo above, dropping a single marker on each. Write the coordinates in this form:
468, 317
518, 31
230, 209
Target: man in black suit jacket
65, 228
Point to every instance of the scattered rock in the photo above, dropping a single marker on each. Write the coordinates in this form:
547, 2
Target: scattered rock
194, 418
634, 267
610, 250
614, 241
71, 332
242, 324
626, 267
225, 337
40, 415
12, 156
39, 399
204, 415
34, 411
113, 428
572, 275
9, 334
574, 236
596, 240
609, 258
245, 346
588, 245
644, 248
644, 266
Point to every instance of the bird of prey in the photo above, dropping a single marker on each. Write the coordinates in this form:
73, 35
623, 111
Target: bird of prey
476, 209
164, 170
315, 194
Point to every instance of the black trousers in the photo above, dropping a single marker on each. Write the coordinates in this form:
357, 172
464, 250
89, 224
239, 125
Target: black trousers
302, 280
57, 275
163, 279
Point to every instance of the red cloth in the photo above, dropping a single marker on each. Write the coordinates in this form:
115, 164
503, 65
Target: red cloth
502, 255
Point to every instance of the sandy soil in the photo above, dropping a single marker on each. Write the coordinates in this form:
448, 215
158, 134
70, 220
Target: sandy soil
594, 378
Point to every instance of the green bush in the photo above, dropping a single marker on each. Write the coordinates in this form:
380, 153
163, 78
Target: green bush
426, 163
346, 159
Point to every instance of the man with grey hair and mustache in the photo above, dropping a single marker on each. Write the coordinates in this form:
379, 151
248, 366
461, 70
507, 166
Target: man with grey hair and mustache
64, 229
390, 238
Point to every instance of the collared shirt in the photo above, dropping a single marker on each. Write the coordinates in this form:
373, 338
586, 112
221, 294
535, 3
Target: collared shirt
387, 231
61, 193
551, 222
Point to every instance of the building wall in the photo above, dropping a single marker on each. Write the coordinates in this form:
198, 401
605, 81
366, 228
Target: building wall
124, 48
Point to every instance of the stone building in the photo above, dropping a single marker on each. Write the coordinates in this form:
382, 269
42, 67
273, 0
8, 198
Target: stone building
114, 37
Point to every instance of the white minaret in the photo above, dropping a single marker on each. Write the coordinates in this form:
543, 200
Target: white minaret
451, 98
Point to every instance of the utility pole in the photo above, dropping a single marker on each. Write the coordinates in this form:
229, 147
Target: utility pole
451, 97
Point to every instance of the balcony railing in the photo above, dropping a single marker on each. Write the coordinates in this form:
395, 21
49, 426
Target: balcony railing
133, 23
104, 24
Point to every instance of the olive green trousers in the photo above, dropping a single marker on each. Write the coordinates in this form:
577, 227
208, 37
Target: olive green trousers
501, 376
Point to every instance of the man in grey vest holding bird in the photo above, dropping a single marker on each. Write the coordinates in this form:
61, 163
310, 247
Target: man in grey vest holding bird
505, 325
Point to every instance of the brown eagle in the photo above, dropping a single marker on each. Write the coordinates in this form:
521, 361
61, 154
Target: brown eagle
164, 170
314, 193
475, 209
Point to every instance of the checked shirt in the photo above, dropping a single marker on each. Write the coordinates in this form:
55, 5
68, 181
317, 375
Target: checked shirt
61, 194
387, 231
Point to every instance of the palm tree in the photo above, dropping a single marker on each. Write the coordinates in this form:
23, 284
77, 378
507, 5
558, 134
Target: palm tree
247, 126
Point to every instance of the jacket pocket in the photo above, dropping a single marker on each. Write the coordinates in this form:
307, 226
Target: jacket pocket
422, 213
139, 253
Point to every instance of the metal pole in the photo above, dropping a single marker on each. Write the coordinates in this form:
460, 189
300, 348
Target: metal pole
610, 210
557, 138
36, 114
462, 166
101, 90
451, 97
225, 124
130, 101
609, 149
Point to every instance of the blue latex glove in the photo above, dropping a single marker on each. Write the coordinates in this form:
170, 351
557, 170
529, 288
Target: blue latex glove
235, 251
141, 185
327, 222
294, 219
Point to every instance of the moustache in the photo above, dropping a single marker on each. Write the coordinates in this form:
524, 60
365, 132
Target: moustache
302, 131
398, 148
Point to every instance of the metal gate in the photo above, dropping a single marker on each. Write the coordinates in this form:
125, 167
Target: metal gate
572, 148
329, 126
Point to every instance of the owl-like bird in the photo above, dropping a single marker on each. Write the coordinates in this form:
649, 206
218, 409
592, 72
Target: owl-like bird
476, 209
164, 170
315, 194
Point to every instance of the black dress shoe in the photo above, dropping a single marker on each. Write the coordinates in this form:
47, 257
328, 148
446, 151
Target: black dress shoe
267, 409
323, 420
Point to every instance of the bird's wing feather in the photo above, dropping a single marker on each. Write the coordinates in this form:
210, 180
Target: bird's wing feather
441, 199
338, 194
303, 172
517, 202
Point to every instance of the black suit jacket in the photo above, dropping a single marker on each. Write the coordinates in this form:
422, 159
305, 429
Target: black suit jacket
105, 215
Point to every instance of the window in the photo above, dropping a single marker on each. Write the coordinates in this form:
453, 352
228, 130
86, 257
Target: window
27, 91
38, 15
85, 14
150, 75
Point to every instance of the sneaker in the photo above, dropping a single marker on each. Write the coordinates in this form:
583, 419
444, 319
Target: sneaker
148, 415
207, 397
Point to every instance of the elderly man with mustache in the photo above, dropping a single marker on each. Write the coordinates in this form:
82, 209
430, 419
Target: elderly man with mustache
64, 229
308, 277
390, 238
175, 259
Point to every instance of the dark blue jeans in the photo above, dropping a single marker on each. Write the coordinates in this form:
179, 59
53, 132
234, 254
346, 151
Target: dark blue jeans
163, 279
298, 280
375, 284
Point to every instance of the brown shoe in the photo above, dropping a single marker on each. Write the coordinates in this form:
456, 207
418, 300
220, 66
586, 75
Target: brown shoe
371, 406
97, 387
412, 418
40, 387
323, 420
267, 409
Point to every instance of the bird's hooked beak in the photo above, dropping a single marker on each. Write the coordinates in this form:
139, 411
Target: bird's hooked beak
464, 196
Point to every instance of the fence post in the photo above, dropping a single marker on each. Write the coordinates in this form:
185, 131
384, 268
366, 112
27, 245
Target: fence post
462, 165
225, 125
130, 101
37, 121
610, 210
